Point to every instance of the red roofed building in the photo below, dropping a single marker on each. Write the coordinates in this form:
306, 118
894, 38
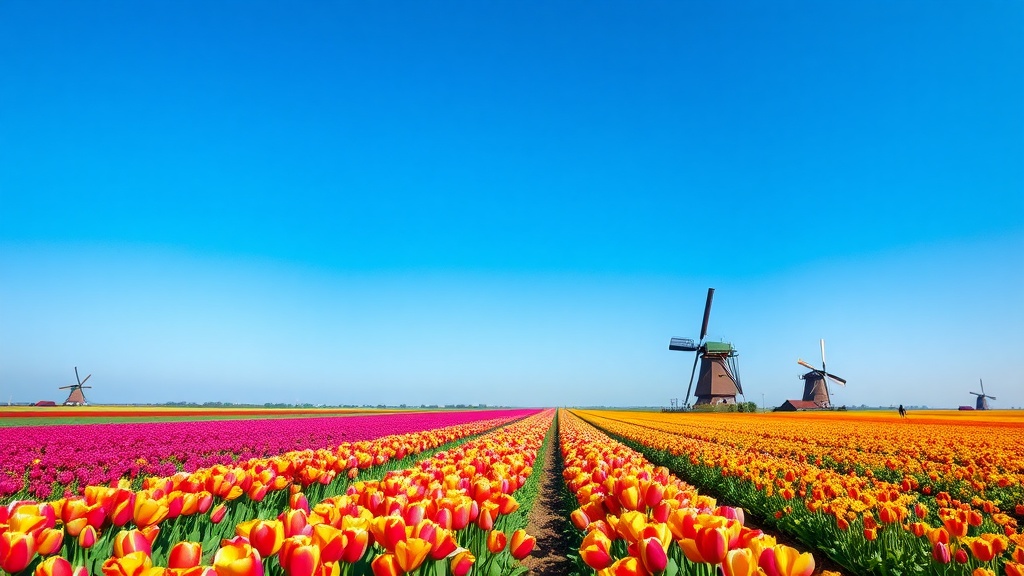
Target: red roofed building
798, 406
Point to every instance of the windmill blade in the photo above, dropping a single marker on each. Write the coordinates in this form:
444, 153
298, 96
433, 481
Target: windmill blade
85, 386
822, 353
982, 385
976, 394
992, 397
66, 387
686, 399
806, 365
76, 376
86, 380
707, 314
836, 379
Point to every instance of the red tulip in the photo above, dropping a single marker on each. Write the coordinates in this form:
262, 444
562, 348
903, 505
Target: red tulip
217, 514
302, 561
54, 566
16, 551
653, 555
128, 541
266, 536
87, 538
462, 563
522, 544
355, 546
185, 555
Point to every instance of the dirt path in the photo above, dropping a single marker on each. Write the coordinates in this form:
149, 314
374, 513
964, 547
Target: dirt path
547, 522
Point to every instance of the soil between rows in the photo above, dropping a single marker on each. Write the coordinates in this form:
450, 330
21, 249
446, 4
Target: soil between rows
547, 522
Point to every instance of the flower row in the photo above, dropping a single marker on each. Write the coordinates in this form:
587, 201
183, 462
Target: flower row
864, 523
42, 462
639, 519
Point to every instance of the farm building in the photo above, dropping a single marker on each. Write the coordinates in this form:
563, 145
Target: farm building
797, 406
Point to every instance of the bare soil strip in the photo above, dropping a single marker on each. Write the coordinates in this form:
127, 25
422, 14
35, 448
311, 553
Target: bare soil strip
547, 521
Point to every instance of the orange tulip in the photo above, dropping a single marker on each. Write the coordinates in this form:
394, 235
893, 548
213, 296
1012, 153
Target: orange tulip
955, 526
522, 544
267, 536
596, 550
185, 555
149, 511
628, 566
386, 565
49, 541
982, 572
740, 562
982, 549
442, 544
54, 566
16, 549
496, 541
330, 541
357, 541
388, 531
1014, 569
411, 552
134, 564
128, 541
238, 559
462, 562
781, 560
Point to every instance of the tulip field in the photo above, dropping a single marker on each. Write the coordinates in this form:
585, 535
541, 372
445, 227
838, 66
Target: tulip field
451, 494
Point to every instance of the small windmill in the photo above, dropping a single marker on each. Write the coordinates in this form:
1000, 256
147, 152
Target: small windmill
982, 398
816, 382
719, 380
76, 397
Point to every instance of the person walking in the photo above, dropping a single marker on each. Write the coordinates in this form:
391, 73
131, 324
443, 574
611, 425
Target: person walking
903, 412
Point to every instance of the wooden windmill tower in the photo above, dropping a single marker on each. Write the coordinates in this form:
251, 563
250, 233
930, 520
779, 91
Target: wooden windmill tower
816, 382
719, 380
76, 397
982, 403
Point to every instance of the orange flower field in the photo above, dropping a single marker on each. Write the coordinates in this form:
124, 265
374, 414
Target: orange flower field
936, 494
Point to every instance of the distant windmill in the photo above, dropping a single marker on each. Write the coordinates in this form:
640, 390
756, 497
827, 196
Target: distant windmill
76, 397
982, 398
816, 382
719, 380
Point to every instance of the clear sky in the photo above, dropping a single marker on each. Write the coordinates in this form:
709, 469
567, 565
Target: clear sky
509, 202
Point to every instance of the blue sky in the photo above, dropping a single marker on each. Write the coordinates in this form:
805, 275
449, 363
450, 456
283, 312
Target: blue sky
509, 203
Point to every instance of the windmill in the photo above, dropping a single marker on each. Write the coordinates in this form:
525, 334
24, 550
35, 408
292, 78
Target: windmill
76, 397
816, 382
982, 398
719, 380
